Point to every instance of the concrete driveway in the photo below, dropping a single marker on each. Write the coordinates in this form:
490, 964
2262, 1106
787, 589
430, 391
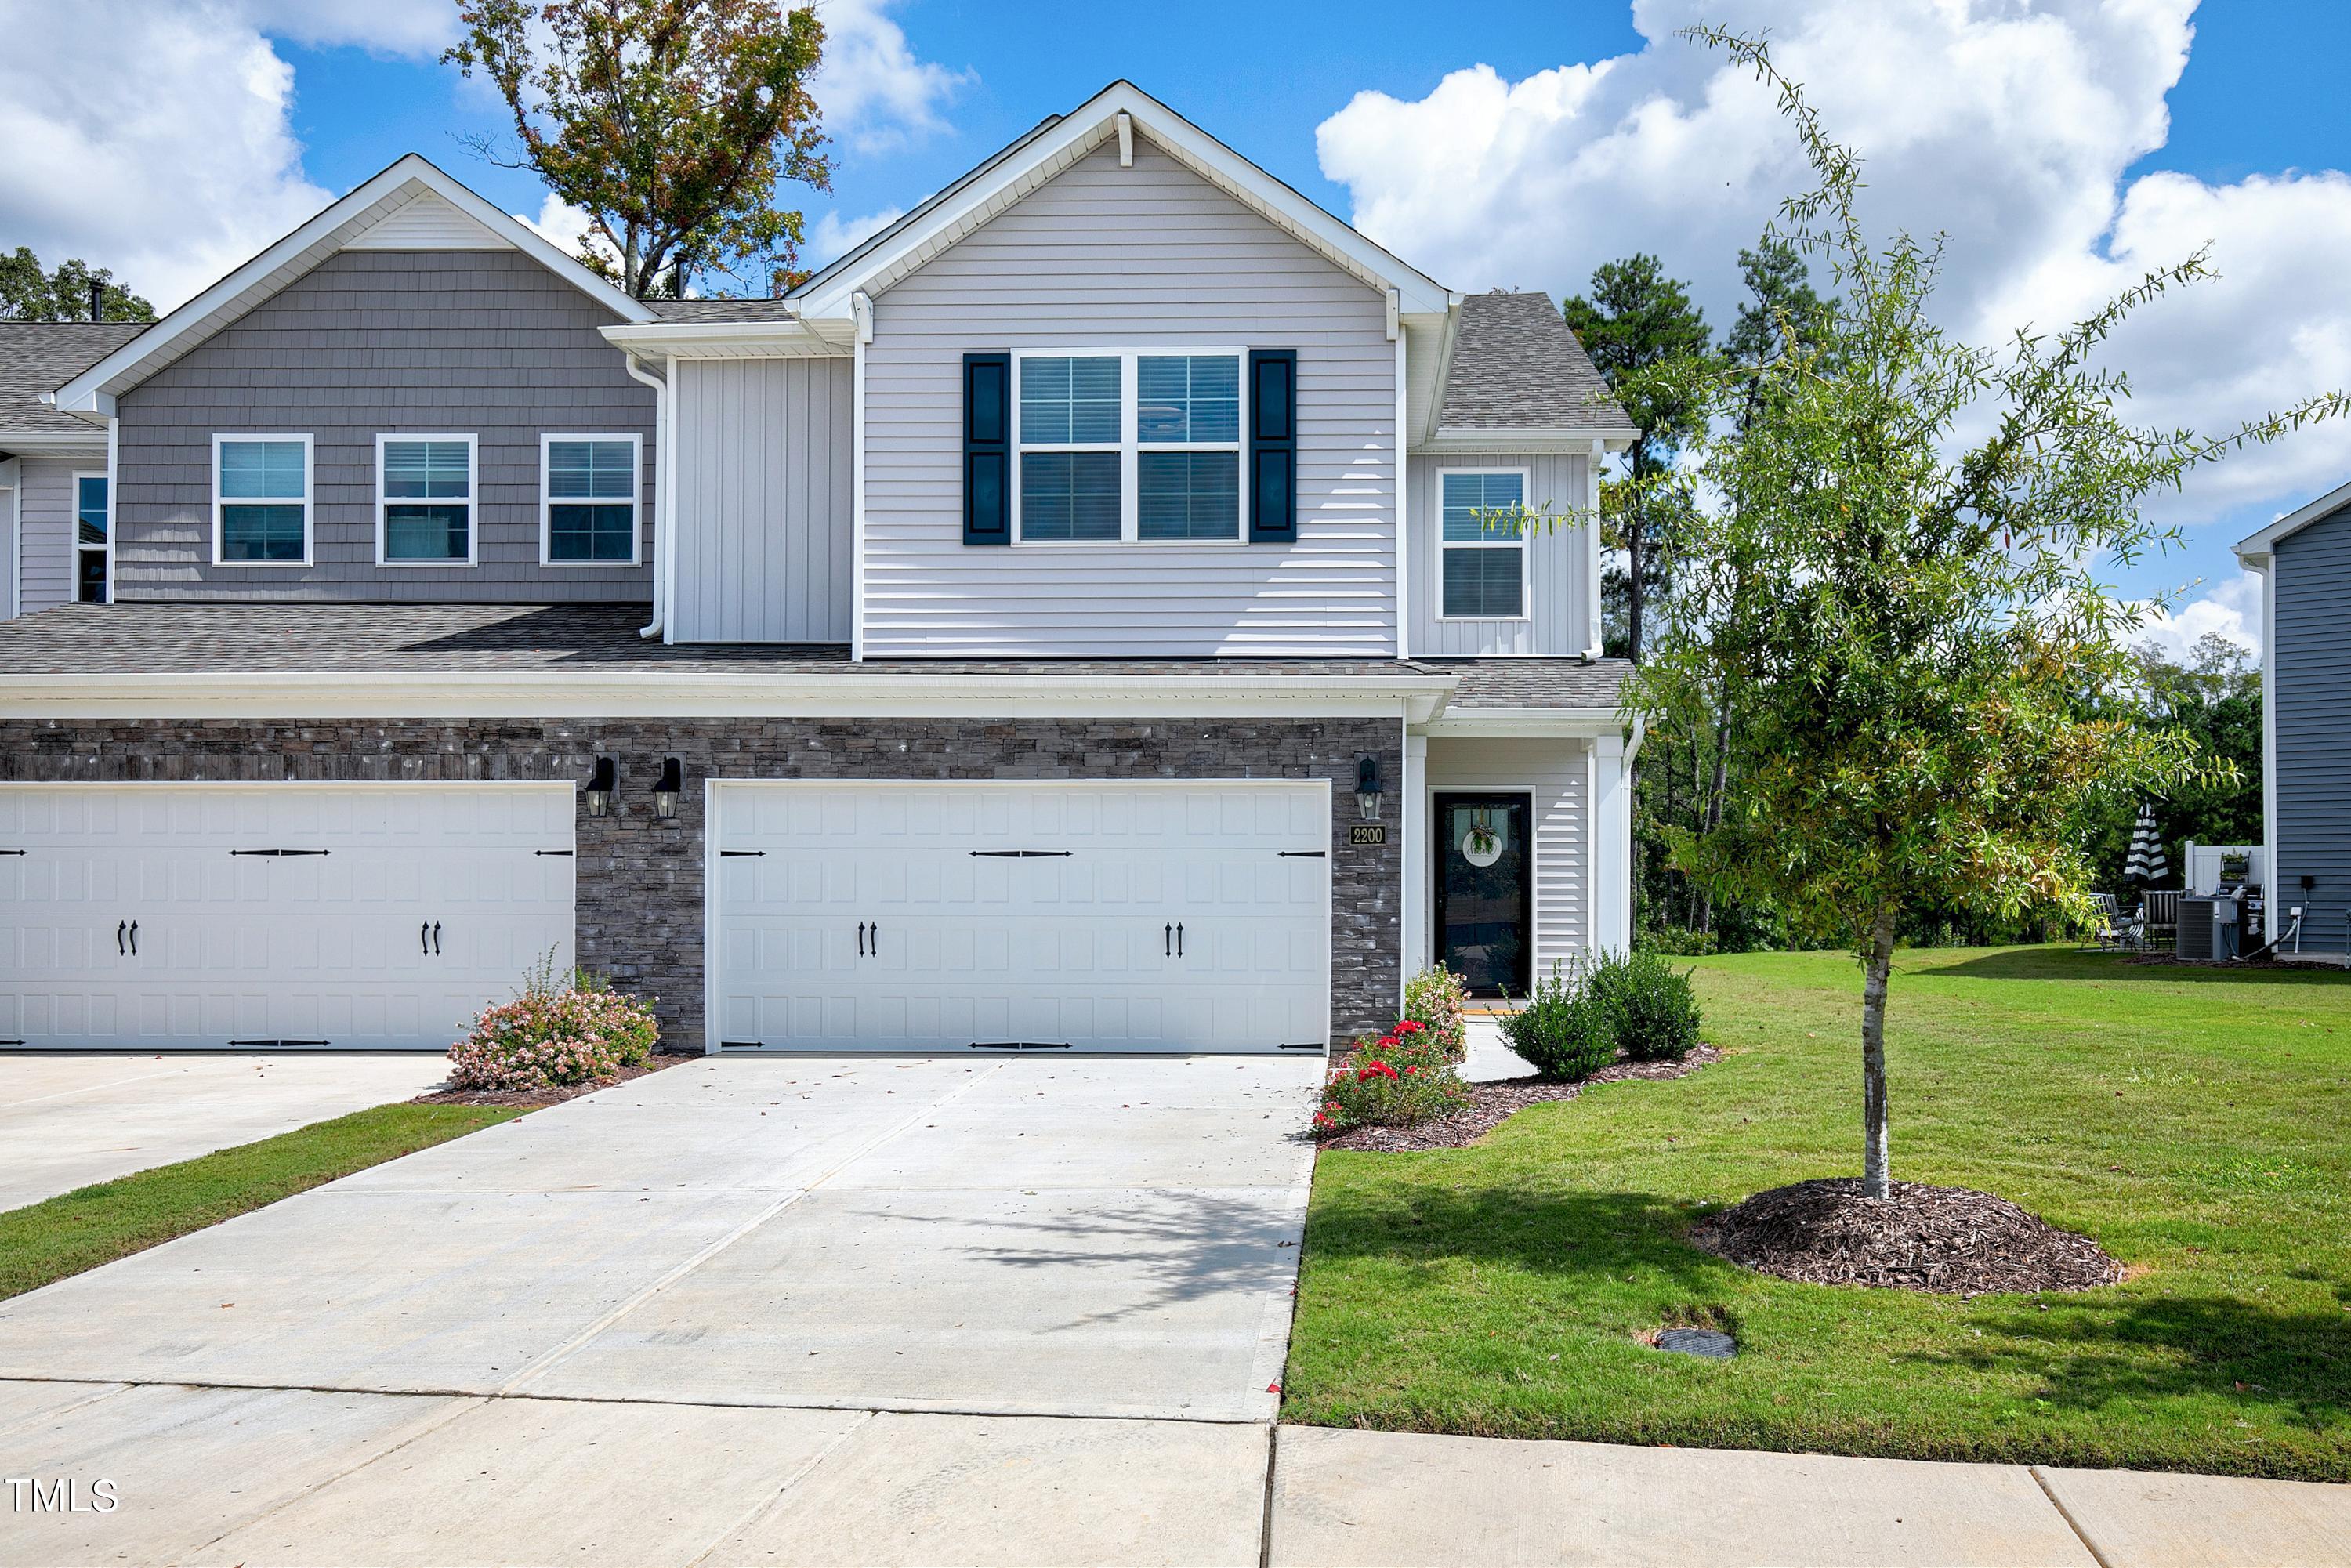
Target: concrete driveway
67, 1120
769, 1264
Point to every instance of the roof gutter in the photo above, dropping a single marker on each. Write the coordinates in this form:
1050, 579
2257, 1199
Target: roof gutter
664, 488
849, 692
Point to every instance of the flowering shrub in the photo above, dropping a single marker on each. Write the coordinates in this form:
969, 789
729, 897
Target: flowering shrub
555, 1033
1439, 1000
1399, 1078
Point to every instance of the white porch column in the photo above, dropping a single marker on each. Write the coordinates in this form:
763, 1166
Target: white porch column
1612, 845
1415, 820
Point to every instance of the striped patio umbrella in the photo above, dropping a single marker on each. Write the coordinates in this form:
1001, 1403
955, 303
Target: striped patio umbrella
2146, 862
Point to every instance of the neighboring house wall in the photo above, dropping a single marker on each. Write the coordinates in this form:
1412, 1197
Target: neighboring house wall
45, 563
1558, 773
1107, 258
2310, 740
1559, 585
377, 342
763, 534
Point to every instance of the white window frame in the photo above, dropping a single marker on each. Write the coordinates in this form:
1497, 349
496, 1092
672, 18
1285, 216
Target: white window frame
383, 503
1130, 445
310, 501
548, 502
81, 550
1521, 544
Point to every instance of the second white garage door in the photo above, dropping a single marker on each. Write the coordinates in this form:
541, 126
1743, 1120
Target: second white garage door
274, 915
1177, 916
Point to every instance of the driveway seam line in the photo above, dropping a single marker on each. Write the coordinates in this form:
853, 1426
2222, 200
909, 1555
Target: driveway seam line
549, 1360
2066, 1514
784, 1489
1265, 1521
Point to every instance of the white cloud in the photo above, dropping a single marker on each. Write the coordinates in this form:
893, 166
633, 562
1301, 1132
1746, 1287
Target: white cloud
832, 237
415, 29
2008, 127
873, 90
2232, 609
148, 139
562, 224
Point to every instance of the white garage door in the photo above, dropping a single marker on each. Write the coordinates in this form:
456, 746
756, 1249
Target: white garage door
1180, 916
375, 916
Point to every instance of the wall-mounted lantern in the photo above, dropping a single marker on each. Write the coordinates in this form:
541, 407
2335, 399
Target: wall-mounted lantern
665, 792
1367, 789
601, 784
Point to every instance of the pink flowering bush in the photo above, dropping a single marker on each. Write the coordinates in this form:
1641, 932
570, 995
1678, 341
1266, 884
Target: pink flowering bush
1399, 1078
1439, 1000
556, 1033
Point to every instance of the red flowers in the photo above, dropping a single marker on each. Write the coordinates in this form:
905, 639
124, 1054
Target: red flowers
1409, 1026
1371, 1070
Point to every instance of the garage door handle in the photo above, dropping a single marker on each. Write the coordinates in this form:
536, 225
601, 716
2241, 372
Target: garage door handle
1167, 941
436, 939
1179, 939
873, 937
134, 938
119, 927
424, 937
860, 938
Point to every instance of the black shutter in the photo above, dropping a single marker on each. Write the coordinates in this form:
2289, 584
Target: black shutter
987, 449
1273, 446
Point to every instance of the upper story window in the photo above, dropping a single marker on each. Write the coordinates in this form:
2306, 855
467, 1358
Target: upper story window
261, 500
588, 486
93, 523
1483, 542
1129, 445
424, 500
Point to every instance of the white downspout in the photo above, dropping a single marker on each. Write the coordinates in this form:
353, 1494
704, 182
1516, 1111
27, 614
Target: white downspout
665, 449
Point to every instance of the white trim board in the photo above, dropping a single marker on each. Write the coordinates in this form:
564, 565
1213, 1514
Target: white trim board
472, 503
2254, 550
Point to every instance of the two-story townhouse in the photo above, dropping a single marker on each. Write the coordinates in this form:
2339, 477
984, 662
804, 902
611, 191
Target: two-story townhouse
2305, 562
1096, 612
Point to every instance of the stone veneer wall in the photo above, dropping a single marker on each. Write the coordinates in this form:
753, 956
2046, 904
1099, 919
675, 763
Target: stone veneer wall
640, 879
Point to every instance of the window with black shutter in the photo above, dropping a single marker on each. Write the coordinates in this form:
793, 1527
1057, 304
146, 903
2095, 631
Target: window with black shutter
1273, 446
987, 444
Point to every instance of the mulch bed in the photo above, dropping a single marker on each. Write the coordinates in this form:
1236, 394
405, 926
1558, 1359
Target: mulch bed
1492, 1104
528, 1097
1945, 1239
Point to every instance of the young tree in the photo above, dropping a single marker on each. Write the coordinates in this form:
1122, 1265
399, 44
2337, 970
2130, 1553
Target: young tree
669, 122
1636, 320
1906, 611
29, 293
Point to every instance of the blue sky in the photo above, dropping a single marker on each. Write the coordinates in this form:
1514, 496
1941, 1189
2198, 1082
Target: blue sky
2063, 143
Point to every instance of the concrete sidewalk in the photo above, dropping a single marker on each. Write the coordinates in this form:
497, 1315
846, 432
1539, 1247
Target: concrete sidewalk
218, 1476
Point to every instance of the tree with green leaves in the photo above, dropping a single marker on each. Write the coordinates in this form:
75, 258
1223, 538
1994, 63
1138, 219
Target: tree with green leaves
29, 292
1890, 563
670, 123
1636, 320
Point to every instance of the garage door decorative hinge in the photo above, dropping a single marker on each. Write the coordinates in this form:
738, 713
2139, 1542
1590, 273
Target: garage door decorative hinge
1019, 1045
1304, 854
564, 852
281, 851
742, 1045
1309, 1045
731, 854
15, 851
1022, 854
278, 1044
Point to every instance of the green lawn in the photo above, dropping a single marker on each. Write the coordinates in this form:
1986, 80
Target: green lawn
94, 1225
2197, 1122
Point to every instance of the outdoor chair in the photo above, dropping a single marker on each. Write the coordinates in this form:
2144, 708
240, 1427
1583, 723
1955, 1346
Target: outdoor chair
2116, 931
2159, 914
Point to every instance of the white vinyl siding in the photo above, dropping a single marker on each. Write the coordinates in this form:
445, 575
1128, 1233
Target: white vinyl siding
1154, 258
44, 507
1558, 773
1558, 615
762, 530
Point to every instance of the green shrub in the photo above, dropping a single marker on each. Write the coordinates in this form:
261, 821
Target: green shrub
1652, 1011
1564, 1029
1681, 943
1399, 1078
1439, 1000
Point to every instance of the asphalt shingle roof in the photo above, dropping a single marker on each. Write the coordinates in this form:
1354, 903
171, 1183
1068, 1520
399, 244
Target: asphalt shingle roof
1517, 365
42, 356
189, 638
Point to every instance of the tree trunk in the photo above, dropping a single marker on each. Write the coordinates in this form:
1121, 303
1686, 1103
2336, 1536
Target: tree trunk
1873, 1177
1711, 817
1632, 584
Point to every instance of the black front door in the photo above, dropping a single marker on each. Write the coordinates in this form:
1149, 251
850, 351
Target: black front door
1484, 885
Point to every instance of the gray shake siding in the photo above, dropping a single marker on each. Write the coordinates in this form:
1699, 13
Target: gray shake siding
2311, 718
1108, 257
44, 561
1558, 594
640, 879
381, 342
762, 501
